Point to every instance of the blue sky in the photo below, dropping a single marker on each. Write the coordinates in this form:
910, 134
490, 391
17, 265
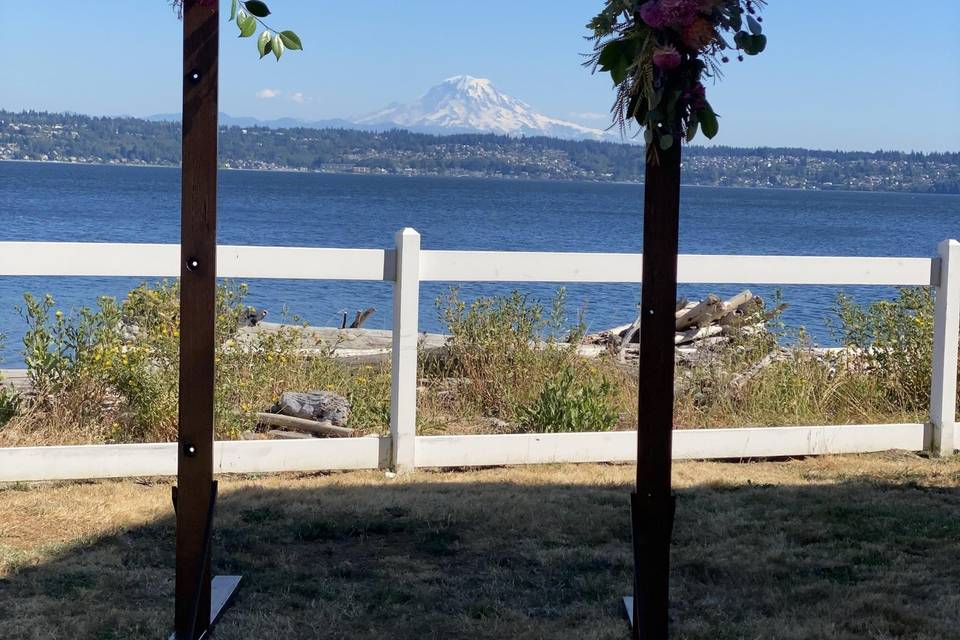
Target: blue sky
847, 74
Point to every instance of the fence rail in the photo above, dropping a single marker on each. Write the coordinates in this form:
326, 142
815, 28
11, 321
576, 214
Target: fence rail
406, 265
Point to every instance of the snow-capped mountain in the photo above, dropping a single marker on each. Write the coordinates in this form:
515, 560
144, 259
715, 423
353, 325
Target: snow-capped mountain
467, 104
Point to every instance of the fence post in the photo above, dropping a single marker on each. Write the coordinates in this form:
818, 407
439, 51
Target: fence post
946, 327
403, 382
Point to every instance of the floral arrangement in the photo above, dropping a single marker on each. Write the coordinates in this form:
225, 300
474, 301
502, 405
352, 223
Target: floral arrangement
658, 52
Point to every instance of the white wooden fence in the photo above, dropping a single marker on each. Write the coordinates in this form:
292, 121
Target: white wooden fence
406, 265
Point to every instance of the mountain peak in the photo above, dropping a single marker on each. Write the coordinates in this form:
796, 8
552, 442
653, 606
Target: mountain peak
465, 103
463, 81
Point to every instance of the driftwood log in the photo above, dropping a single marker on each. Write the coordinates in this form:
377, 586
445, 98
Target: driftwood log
700, 323
361, 317
288, 435
304, 425
320, 406
702, 314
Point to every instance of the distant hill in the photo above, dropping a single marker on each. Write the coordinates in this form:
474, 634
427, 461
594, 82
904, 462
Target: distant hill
44, 136
227, 120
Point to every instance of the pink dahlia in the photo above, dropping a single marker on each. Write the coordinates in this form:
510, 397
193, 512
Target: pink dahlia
666, 57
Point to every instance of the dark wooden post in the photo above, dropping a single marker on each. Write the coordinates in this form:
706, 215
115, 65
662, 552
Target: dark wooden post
196, 492
653, 503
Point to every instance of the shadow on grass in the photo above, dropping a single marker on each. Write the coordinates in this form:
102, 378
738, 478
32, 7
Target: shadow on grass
425, 559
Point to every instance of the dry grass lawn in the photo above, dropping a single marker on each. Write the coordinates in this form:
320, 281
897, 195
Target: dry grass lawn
841, 547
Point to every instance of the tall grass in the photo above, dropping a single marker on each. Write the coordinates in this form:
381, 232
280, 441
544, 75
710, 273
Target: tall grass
110, 374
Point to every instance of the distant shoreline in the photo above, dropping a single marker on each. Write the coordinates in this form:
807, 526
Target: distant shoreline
462, 177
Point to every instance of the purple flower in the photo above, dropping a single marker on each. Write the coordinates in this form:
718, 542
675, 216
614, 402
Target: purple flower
696, 96
651, 13
666, 57
679, 13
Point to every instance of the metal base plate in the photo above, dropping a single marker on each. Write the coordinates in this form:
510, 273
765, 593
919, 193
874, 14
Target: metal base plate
628, 603
222, 589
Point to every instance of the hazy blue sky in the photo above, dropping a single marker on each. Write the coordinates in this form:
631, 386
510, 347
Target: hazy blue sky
850, 74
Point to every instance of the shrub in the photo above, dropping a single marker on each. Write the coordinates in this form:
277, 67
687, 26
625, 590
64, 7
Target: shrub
112, 373
504, 349
893, 341
569, 402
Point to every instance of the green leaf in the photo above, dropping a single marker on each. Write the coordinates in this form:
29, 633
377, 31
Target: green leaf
736, 20
247, 24
263, 43
257, 8
615, 58
277, 45
757, 44
754, 26
666, 141
233, 9
692, 129
648, 135
638, 108
708, 121
750, 44
291, 40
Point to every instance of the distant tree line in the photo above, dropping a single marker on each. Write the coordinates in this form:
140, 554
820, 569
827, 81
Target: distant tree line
35, 135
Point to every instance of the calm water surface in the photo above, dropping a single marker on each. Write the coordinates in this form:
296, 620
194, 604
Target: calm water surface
132, 204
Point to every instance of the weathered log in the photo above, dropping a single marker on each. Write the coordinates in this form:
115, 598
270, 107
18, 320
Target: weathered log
732, 306
362, 317
687, 306
288, 435
735, 302
315, 405
751, 306
700, 333
705, 312
631, 332
302, 424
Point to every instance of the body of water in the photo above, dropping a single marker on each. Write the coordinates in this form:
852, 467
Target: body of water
57, 202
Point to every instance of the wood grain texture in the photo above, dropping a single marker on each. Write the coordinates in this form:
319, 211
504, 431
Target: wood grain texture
652, 505
198, 246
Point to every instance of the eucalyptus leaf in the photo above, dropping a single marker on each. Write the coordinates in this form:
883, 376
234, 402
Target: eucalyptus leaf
648, 135
248, 25
754, 26
736, 20
257, 8
291, 40
263, 43
277, 45
233, 9
708, 121
755, 45
666, 141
